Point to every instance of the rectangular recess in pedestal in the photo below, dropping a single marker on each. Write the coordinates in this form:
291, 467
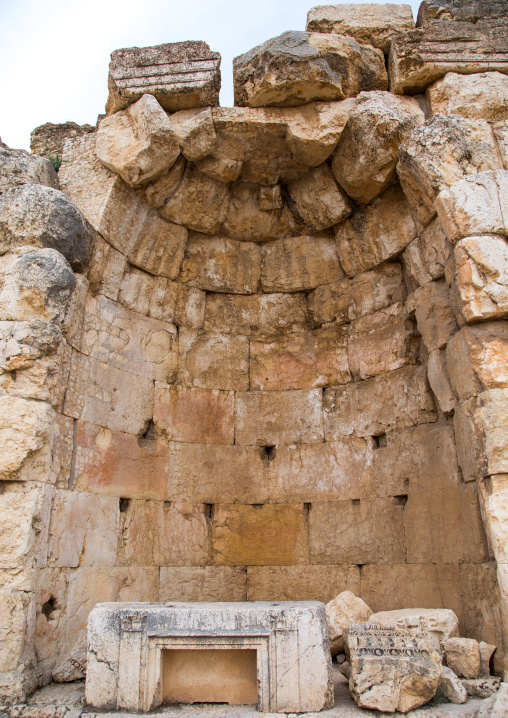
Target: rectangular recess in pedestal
210, 676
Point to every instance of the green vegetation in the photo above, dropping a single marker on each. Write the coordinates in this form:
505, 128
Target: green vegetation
56, 162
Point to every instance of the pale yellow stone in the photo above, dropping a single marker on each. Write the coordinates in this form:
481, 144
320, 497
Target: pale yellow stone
439, 380
317, 201
220, 168
158, 192
299, 263
463, 656
434, 314
203, 583
425, 257
213, 361
246, 220
341, 612
300, 582
482, 96
194, 132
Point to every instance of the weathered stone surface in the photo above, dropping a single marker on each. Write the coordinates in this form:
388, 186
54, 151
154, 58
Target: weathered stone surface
475, 205
259, 535
213, 361
487, 650
179, 75
298, 67
463, 656
441, 623
434, 314
138, 143
496, 706
219, 264
391, 670
375, 233
317, 201
194, 415
278, 417
367, 23
158, 192
247, 220
350, 299
110, 397
300, 361
481, 278
220, 168
203, 583
195, 132
397, 400
199, 202
481, 687
419, 57
366, 155
256, 314
439, 381
44, 217
48, 140
425, 257
501, 134
106, 269
437, 11
299, 263
451, 687
17, 168
482, 96
341, 612
284, 583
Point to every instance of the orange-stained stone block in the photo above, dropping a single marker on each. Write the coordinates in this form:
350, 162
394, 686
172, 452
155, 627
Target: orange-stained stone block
191, 415
116, 464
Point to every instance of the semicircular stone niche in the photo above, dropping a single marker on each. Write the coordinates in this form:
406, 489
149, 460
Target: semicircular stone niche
280, 375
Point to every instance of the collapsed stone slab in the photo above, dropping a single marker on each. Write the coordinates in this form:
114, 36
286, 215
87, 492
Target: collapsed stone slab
17, 168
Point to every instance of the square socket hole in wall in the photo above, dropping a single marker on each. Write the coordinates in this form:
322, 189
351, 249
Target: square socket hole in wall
267, 453
379, 441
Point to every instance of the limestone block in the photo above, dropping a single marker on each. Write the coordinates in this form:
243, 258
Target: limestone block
300, 361
157, 193
317, 201
113, 463
48, 140
439, 381
463, 656
194, 415
259, 535
334, 536
434, 314
420, 57
441, 623
44, 217
381, 342
179, 75
432, 11
349, 299
476, 359
493, 494
481, 687
126, 340
160, 298
83, 530
375, 233
246, 220
278, 417
62, 450
298, 67
300, 582
154, 533
299, 263
475, 205
381, 681
425, 257
341, 612
213, 361
451, 687
18, 167
14, 606
487, 650
397, 400
366, 155
220, 168
367, 23
199, 202
72, 327
221, 265
481, 277
72, 665
203, 583
501, 135
256, 314
107, 396
313, 130
106, 269
482, 96
195, 132
441, 152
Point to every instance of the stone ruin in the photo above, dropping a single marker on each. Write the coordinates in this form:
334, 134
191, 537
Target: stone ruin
260, 353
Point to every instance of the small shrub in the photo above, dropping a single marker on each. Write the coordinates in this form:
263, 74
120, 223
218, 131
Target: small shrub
56, 162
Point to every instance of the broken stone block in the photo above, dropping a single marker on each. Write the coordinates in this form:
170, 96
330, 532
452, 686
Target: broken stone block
434, 315
299, 263
367, 23
391, 670
18, 167
180, 75
278, 417
437, 11
501, 134
44, 217
451, 687
218, 264
106, 269
157, 193
48, 140
482, 96
440, 623
138, 143
195, 132
25, 510
463, 656
341, 612
220, 168
425, 258
299, 67
366, 155
375, 233
246, 220
256, 314
481, 687
317, 201
300, 361
440, 381
199, 202
213, 361
487, 650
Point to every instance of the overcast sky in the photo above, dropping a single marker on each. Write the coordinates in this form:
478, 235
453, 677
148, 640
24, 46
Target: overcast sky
54, 54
